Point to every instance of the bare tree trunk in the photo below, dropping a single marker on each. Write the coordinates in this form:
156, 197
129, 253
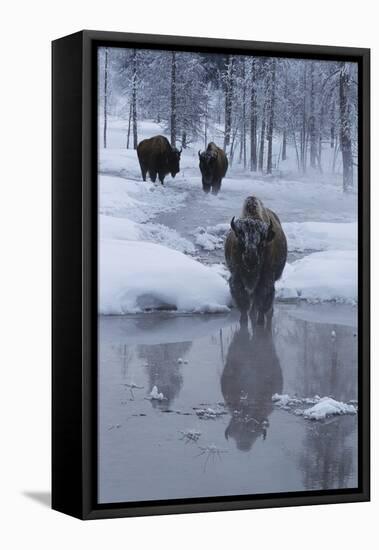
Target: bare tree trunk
134, 100
335, 155
206, 121
303, 137
253, 119
284, 140
105, 98
284, 145
312, 120
231, 153
173, 99
297, 151
243, 145
241, 142
271, 115
184, 139
228, 100
345, 130
333, 124
319, 154
320, 133
129, 123
262, 138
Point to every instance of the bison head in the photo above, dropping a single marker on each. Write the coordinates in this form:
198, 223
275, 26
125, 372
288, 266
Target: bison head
207, 163
253, 236
174, 161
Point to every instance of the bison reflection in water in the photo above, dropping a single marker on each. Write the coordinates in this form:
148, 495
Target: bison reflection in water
164, 370
252, 374
213, 166
157, 157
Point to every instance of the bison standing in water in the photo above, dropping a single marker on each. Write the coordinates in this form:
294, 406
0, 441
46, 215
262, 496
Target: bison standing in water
157, 157
213, 166
255, 253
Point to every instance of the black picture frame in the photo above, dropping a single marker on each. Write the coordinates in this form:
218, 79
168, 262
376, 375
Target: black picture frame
74, 273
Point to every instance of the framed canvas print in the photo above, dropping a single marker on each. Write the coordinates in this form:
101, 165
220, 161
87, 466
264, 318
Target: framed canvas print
210, 274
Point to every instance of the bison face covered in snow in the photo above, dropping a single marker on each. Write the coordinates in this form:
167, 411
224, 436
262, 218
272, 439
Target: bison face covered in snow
157, 157
252, 374
213, 166
256, 253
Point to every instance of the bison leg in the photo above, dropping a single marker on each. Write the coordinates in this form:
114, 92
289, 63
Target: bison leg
143, 170
153, 176
161, 177
253, 314
269, 316
263, 302
206, 187
216, 188
241, 297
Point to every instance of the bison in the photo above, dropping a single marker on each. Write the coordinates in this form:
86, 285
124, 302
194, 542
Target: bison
252, 374
213, 167
255, 253
157, 157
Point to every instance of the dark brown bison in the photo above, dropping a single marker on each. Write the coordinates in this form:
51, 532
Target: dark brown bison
252, 374
157, 157
213, 166
255, 253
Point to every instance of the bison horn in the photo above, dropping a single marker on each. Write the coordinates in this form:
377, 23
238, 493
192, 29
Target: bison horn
232, 224
199, 153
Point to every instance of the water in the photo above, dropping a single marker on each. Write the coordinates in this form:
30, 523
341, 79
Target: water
251, 447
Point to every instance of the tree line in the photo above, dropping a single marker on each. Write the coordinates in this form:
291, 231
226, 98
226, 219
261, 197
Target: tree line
247, 103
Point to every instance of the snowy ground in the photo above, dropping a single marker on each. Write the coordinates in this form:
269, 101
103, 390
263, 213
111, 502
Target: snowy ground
319, 221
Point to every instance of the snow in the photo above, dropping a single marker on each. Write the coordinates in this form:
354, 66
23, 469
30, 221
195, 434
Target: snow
112, 227
221, 270
301, 236
211, 238
328, 407
209, 413
322, 276
137, 276
143, 264
322, 407
136, 200
156, 395
321, 236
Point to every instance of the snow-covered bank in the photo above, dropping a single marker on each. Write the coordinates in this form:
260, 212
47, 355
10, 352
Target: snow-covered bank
321, 276
321, 236
135, 199
137, 276
112, 227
